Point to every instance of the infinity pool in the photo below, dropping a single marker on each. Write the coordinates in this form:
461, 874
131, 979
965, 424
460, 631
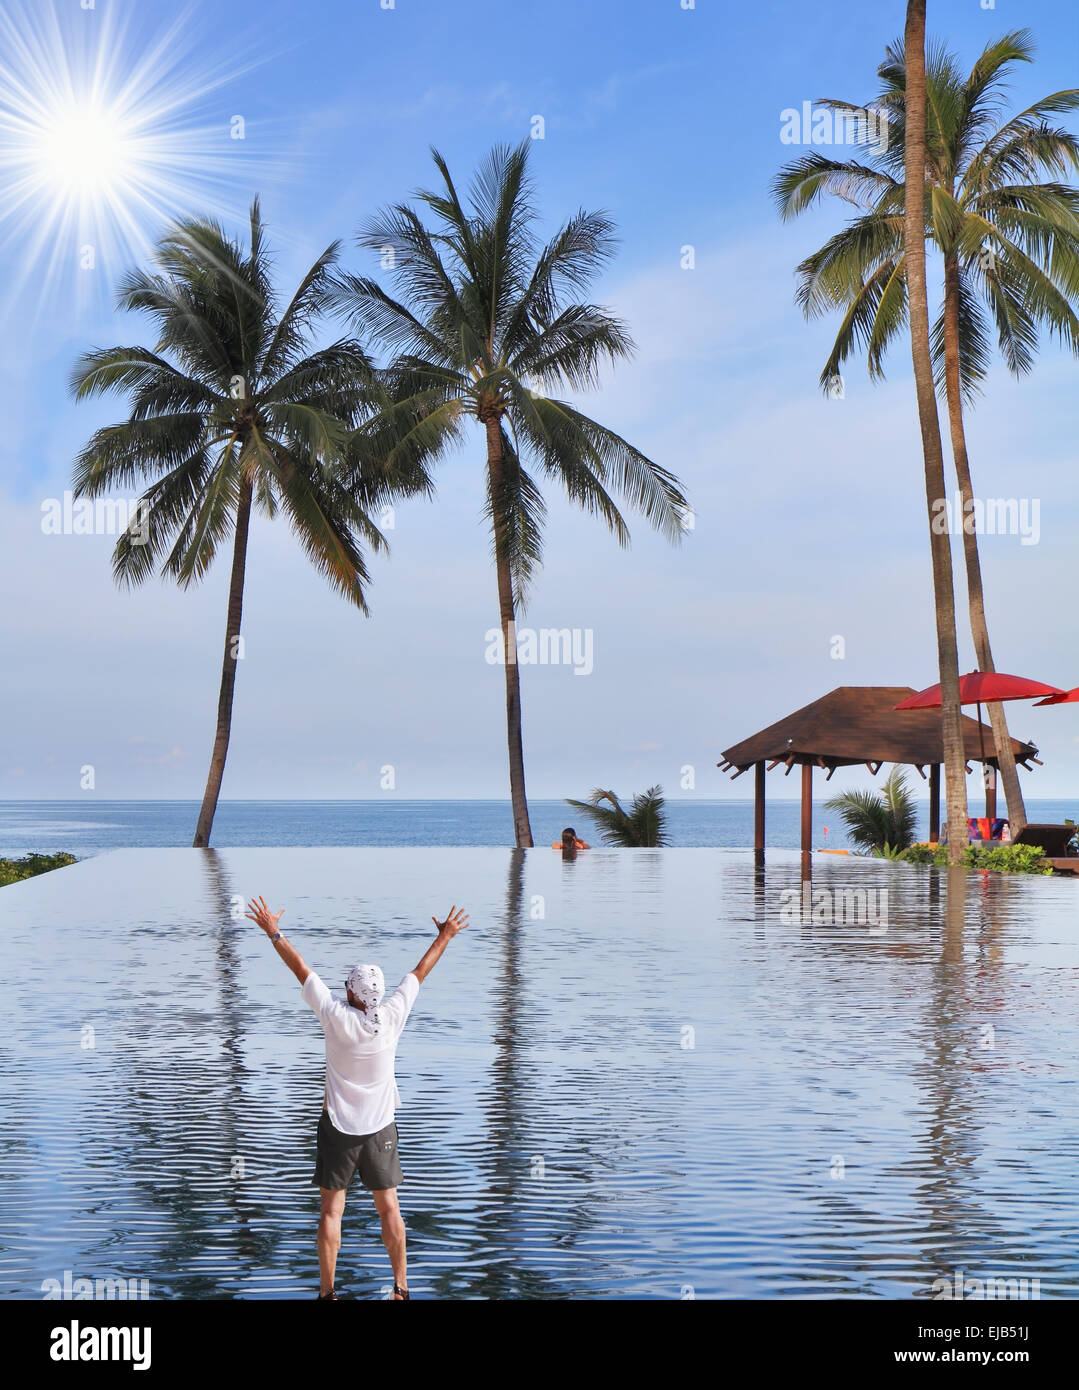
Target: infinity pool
636, 1075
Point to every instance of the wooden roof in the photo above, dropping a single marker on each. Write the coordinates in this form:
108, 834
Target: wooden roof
860, 724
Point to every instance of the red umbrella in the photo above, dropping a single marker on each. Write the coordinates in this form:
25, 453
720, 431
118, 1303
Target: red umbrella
1070, 698
983, 687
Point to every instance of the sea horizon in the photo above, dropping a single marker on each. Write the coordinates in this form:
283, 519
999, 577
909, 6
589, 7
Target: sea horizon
86, 829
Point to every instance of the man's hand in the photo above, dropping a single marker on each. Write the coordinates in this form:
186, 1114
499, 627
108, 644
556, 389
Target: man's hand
268, 921
456, 920
261, 914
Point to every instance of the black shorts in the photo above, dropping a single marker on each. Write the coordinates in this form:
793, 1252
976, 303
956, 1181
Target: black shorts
340, 1156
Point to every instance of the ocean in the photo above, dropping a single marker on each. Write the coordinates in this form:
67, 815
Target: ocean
89, 826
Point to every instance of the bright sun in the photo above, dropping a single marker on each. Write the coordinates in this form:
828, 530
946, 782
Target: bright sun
86, 152
108, 129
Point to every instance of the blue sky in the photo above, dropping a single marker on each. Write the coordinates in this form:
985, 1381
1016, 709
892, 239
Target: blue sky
810, 519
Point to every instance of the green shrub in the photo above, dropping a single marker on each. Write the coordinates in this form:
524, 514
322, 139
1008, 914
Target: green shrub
923, 854
1009, 859
1004, 859
14, 870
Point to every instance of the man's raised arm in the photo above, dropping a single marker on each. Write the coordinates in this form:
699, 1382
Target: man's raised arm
456, 921
268, 921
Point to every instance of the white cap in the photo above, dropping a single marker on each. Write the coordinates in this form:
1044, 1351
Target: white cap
368, 984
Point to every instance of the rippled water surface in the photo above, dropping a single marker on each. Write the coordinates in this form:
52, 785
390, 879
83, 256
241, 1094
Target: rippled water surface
634, 1076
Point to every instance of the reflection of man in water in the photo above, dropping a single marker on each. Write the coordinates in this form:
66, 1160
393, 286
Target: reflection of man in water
569, 843
357, 1132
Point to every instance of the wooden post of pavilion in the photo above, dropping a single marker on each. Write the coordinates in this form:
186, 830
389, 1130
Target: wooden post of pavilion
989, 773
934, 803
758, 813
807, 814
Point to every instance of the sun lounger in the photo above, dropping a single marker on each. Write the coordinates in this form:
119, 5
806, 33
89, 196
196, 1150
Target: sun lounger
1054, 839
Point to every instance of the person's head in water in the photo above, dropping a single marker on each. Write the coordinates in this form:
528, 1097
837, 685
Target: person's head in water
569, 838
365, 987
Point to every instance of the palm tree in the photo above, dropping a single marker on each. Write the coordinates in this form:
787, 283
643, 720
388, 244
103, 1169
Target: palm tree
951, 714
639, 827
879, 821
932, 452
488, 325
229, 411
1007, 229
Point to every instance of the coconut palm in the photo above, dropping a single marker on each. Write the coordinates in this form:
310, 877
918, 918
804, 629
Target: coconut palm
881, 822
230, 410
639, 827
1007, 228
486, 329
914, 154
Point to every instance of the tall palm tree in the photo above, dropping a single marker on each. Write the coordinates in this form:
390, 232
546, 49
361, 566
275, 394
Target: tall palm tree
486, 327
642, 826
1007, 229
230, 410
951, 714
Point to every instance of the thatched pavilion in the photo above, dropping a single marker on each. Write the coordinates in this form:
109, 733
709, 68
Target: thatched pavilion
860, 724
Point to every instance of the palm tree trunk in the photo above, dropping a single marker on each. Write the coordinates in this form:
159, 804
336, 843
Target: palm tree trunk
228, 667
521, 827
979, 629
951, 714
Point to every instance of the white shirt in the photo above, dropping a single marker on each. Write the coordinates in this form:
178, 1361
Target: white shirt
361, 1090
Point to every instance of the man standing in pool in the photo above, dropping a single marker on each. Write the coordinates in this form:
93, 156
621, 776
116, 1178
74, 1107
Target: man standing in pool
356, 1132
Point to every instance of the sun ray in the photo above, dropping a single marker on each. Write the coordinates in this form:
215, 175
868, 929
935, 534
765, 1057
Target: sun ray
106, 132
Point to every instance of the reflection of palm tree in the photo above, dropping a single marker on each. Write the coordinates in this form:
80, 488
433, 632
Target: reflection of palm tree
947, 1145
502, 1203
953, 1197
189, 1104
219, 1098
506, 1122
249, 1244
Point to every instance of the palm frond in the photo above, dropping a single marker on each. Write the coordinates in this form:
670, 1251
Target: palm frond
876, 819
642, 826
232, 395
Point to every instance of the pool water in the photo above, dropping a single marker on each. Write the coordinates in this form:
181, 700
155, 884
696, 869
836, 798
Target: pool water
640, 1074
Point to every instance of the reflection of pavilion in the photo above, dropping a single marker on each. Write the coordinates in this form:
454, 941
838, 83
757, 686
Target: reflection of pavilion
860, 724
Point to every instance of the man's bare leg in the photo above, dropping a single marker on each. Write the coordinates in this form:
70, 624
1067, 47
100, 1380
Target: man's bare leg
393, 1234
329, 1236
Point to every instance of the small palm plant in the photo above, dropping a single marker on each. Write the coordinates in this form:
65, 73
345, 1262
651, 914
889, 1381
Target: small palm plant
641, 827
880, 823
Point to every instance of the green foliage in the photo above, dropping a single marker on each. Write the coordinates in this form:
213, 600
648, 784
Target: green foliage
233, 391
999, 208
925, 854
1004, 859
638, 828
1009, 859
880, 823
489, 328
14, 870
